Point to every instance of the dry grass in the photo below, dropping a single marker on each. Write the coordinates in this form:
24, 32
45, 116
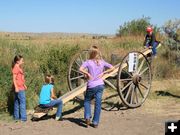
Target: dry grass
164, 98
38, 47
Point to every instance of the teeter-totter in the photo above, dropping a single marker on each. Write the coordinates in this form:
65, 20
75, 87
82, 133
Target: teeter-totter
133, 76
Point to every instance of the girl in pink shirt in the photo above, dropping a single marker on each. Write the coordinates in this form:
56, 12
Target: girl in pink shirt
19, 88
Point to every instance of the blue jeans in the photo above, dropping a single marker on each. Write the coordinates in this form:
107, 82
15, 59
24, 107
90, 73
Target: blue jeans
20, 106
95, 92
154, 51
53, 103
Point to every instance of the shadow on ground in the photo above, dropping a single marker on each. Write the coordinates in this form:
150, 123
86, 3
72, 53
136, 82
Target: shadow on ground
106, 106
78, 121
109, 105
165, 93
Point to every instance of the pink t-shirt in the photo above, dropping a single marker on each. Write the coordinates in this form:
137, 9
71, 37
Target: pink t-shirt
19, 77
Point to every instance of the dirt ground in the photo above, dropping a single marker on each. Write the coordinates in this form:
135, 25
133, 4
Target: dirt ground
149, 119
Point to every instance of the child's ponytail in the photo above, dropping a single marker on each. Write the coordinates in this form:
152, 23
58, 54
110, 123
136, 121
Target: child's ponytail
16, 58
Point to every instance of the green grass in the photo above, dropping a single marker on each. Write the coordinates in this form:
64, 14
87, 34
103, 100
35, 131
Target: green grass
6, 117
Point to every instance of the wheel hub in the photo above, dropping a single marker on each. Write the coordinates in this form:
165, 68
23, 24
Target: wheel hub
136, 79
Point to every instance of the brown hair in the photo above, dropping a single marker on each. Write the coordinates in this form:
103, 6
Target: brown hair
49, 79
16, 58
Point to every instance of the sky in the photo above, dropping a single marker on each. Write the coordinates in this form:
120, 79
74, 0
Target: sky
82, 16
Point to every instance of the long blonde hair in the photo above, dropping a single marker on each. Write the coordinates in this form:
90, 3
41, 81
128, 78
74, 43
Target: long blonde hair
95, 54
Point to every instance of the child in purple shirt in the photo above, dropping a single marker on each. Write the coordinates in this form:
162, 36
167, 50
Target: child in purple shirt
95, 70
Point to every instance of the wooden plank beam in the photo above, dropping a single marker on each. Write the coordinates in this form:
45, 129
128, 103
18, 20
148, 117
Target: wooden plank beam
72, 94
39, 114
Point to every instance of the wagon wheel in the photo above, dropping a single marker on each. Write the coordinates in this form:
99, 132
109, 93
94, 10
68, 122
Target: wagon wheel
75, 77
133, 87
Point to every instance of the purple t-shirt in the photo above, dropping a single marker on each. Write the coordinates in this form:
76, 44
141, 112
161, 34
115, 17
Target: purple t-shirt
95, 70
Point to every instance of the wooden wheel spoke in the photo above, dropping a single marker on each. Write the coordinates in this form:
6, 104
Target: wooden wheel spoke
128, 79
127, 72
144, 70
136, 96
77, 71
141, 65
140, 91
110, 84
145, 82
81, 59
77, 63
143, 85
126, 86
129, 89
132, 96
81, 76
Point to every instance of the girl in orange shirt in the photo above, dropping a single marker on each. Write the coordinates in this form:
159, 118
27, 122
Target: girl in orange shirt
19, 87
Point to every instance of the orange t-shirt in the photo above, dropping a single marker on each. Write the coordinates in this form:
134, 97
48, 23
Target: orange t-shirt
19, 77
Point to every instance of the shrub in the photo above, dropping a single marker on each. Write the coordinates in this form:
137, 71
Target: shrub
135, 27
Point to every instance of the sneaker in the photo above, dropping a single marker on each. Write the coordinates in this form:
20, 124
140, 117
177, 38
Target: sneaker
57, 118
155, 57
95, 125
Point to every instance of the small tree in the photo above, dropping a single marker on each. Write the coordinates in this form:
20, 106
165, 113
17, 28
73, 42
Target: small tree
172, 29
135, 27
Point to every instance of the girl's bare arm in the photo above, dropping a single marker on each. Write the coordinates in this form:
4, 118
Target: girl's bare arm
53, 96
83, 70
15, 83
